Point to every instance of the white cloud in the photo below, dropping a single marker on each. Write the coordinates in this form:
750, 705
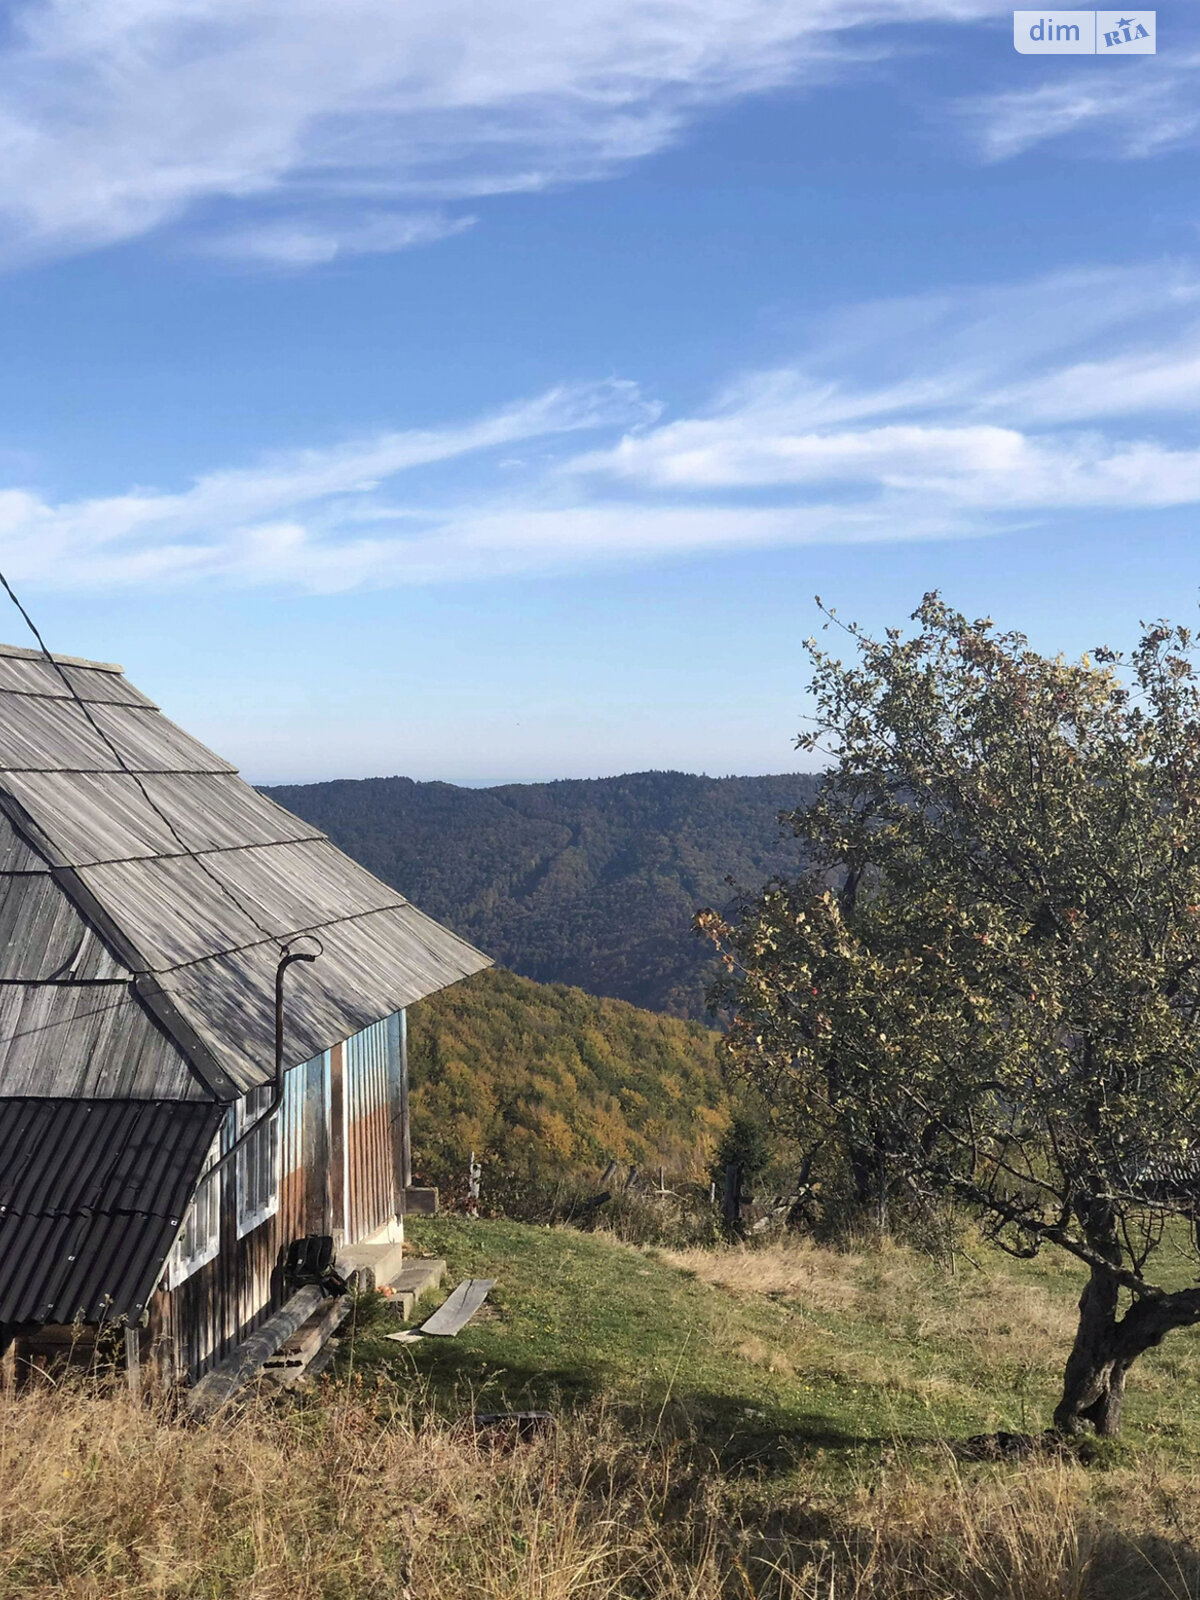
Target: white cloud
955, 415
1136, 114
297, 242
117, 116
293, 517
956, 409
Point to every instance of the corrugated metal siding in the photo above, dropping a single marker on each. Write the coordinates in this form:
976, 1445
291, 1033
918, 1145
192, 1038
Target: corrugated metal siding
92, 1194
31, 673
370, 1193
214, 1309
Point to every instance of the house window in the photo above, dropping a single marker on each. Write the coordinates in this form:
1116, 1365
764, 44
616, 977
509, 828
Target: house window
200, 1237
257, 1160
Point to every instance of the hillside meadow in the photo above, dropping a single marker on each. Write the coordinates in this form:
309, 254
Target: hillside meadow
772, 1424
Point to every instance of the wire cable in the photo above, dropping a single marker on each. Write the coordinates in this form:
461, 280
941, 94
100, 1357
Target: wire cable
192, 855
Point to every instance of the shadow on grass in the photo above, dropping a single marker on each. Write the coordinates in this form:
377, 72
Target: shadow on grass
741, 1433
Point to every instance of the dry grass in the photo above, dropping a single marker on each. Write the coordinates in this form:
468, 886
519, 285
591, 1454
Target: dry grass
823, 1280
357, 1499
900, 1290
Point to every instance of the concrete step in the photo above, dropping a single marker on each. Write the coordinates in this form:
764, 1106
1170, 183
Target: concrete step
416, 1279
374, 1264
384, 1266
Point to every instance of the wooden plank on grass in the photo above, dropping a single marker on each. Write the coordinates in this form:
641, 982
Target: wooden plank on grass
458, 1309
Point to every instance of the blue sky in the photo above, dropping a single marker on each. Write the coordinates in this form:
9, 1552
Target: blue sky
484, 392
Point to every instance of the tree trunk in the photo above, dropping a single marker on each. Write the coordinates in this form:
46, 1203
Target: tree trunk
1107, 1346
1094, 1380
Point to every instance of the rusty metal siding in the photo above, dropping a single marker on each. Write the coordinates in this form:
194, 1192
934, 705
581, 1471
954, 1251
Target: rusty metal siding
370, 1165
337, 1174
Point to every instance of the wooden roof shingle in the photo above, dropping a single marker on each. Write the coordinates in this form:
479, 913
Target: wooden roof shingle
134, 857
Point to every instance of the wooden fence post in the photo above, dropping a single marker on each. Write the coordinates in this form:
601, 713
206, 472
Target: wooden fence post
732, 1203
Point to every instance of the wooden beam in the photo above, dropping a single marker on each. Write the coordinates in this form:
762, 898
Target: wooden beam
218, 1387
133, 1360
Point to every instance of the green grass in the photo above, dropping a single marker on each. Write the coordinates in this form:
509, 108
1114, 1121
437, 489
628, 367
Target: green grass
871, 1355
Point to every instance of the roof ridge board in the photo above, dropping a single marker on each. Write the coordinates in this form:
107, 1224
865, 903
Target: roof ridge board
24, 653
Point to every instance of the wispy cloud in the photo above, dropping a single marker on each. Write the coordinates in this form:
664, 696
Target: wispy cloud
1134, 115
313, 241
118, 116
955, 415
296, 517
959, 407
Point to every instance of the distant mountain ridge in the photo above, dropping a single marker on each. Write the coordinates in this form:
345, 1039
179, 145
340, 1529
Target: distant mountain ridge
591, 882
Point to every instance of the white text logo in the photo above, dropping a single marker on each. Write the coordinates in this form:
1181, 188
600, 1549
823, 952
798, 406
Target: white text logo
1084, 33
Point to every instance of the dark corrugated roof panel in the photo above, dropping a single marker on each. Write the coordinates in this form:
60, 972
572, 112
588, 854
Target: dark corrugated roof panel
92, 1193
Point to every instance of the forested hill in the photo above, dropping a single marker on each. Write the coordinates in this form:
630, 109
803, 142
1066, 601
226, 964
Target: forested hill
590, 882
539, 1079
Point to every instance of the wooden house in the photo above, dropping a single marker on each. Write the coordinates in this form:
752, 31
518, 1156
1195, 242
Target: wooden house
167, 1130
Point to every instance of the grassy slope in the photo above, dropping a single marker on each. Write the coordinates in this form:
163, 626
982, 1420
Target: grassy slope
819, 1365
775, 1355
557, 1081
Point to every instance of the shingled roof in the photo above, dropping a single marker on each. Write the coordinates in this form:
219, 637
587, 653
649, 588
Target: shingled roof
145, 892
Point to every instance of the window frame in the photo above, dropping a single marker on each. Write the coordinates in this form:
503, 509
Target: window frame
182, 1265
257, 1162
